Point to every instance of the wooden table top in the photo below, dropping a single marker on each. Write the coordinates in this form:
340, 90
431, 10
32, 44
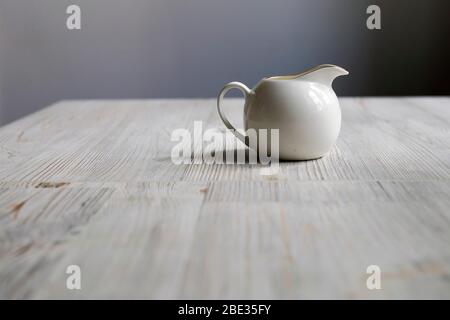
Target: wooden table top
92, 184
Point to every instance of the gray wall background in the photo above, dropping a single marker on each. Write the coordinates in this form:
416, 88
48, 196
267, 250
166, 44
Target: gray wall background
191, 48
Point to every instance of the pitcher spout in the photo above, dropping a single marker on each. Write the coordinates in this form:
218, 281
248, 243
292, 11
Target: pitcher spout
324, 74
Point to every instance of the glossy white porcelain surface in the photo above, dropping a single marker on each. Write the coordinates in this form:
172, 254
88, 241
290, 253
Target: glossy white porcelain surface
303, 107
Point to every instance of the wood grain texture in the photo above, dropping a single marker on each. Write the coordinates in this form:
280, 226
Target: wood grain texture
92, 183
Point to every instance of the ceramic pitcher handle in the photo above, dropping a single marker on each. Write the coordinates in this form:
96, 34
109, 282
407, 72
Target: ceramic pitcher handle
247, 92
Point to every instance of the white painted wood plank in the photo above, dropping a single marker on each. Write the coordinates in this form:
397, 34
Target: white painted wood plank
91, 183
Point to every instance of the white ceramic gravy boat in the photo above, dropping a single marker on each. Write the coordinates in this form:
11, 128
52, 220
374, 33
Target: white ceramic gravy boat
302, 106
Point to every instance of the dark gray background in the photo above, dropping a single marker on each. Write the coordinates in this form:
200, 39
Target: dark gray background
190, 48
